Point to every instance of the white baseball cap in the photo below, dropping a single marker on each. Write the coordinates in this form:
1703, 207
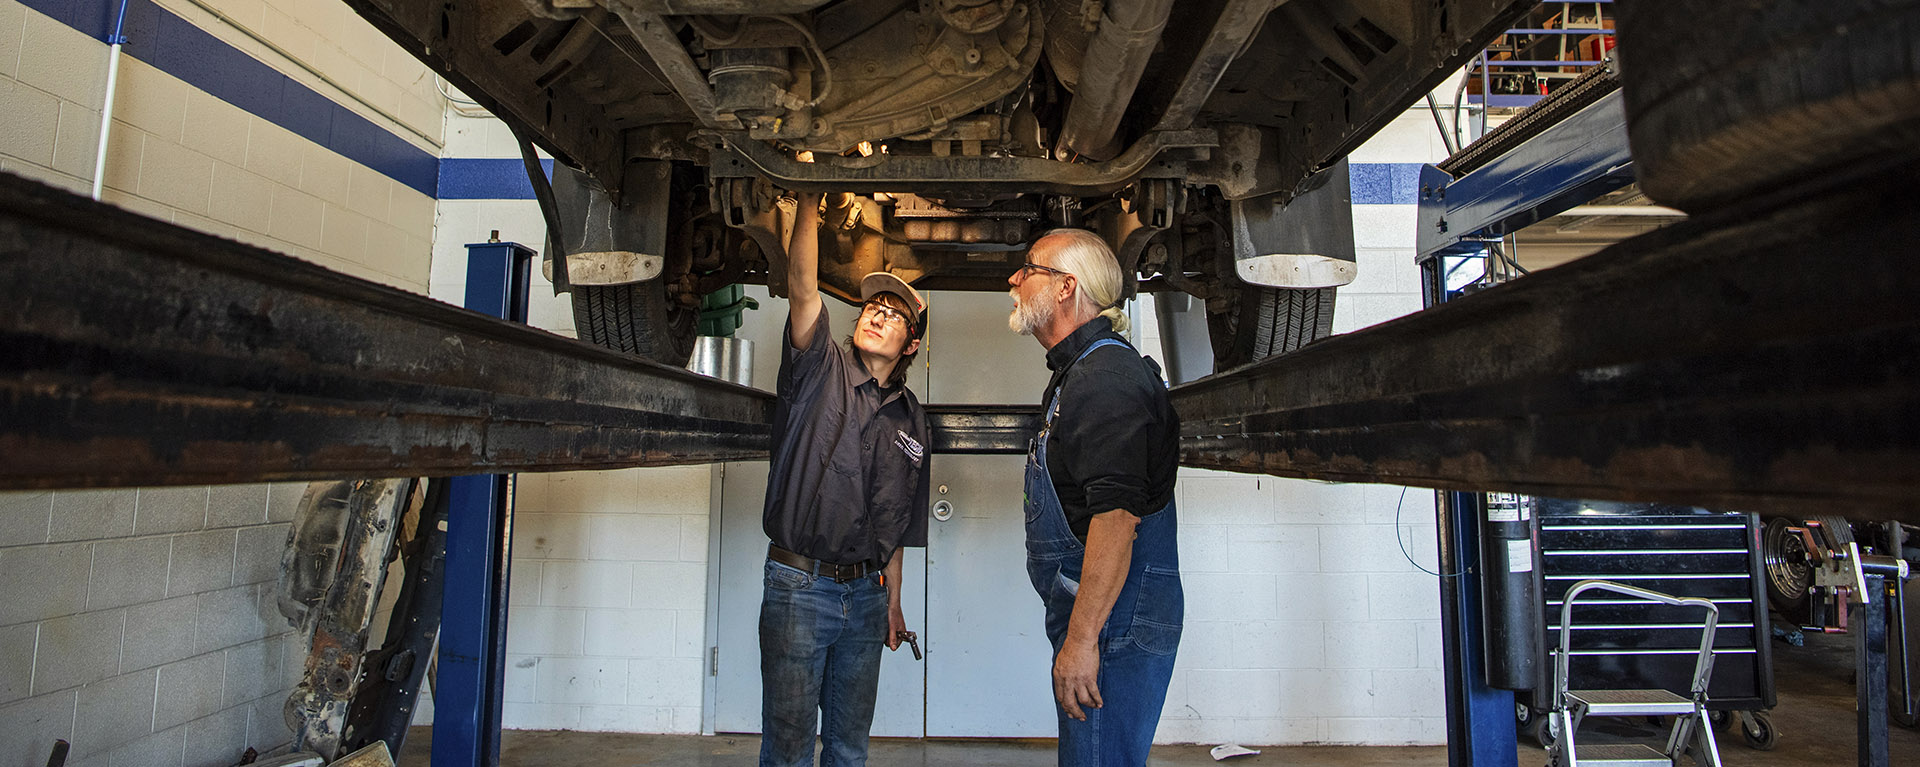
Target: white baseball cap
886, 282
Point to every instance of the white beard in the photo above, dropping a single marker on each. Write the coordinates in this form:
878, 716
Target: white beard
1027, 318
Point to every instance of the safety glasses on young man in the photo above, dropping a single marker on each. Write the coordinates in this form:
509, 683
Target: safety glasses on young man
888, 315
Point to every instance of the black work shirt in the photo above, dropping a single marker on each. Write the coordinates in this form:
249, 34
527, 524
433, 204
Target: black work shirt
1115, 443
847, 482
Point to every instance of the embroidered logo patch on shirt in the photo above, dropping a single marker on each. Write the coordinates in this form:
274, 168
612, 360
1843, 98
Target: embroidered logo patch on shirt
909, 446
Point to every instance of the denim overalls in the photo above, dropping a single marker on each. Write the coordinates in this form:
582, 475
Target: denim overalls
1138, 642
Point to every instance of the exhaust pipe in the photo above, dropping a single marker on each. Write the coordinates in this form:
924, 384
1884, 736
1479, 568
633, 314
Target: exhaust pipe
1129, 30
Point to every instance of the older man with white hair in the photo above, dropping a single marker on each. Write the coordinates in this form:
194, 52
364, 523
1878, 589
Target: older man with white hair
1101, 533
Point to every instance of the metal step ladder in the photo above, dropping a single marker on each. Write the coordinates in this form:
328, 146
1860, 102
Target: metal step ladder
1690, 723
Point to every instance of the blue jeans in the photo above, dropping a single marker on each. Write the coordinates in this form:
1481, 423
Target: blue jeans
1134, 674
1142, 634
820, 647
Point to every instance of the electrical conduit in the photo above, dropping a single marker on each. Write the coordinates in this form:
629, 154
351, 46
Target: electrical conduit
106, 109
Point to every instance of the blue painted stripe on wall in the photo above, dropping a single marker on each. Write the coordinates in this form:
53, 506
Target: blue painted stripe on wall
467, 178
177, 47
1385, 183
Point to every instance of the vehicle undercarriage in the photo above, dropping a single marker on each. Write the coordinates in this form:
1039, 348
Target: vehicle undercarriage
953, 132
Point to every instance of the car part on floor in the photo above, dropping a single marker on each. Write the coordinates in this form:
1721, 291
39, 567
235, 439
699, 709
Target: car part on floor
1820, 573
390, 685
336, 569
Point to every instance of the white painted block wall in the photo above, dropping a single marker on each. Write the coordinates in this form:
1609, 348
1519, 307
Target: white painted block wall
177, 154
1306, 622
607, 604
606, 625
141, 624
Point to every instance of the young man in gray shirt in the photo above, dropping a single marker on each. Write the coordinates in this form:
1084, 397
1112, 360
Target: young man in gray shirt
846, 491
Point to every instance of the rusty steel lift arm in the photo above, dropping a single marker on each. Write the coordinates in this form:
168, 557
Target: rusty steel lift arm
137, 353
1763, 357
1695, 364
134, 352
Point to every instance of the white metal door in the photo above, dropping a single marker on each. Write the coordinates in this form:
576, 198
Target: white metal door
900, 710
988, 661
987, 668
743, 553
988, 664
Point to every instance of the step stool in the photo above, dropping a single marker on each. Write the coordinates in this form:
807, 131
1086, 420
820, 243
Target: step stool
1690, 715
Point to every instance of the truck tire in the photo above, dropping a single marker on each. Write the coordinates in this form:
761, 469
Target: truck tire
1784, 558
1262, 322
1727, 98
639, 319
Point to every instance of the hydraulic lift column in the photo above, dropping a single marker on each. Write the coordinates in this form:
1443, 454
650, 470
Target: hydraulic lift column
1480, 718
1480, 724
473, 607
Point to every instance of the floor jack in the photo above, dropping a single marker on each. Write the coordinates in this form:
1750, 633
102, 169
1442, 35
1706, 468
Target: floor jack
1872, 588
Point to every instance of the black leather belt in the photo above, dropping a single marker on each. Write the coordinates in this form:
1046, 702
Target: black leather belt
839, 573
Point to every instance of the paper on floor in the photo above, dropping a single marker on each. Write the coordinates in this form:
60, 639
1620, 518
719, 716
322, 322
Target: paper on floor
1225, 750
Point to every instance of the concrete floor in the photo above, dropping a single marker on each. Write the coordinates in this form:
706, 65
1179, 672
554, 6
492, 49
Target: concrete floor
1815, 719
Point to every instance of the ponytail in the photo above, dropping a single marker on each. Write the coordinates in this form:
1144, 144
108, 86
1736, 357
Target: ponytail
1094, 267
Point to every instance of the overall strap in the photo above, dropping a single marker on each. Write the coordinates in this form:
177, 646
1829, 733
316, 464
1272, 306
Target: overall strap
1098, 344
1054, 409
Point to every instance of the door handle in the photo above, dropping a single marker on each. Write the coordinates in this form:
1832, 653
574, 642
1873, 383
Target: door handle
943, 510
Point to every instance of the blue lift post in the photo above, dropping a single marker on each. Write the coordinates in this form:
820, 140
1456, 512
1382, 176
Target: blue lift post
1581, 157
473, 607
1480, 718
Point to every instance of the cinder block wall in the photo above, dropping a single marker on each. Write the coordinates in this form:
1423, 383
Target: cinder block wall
1305, 621
607, 616
276, 169
140, 624
607, 608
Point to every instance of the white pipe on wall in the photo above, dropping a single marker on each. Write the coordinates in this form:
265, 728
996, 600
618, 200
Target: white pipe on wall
106, 108
106, 122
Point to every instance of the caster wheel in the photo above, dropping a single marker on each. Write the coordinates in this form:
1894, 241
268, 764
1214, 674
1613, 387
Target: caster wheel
1756, 730
1526, 720
1544, 730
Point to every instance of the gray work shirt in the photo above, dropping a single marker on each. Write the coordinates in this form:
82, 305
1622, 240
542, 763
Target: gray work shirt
847, 482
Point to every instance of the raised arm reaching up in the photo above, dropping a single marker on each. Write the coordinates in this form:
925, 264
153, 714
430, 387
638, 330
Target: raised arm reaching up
803, 271
841, 503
